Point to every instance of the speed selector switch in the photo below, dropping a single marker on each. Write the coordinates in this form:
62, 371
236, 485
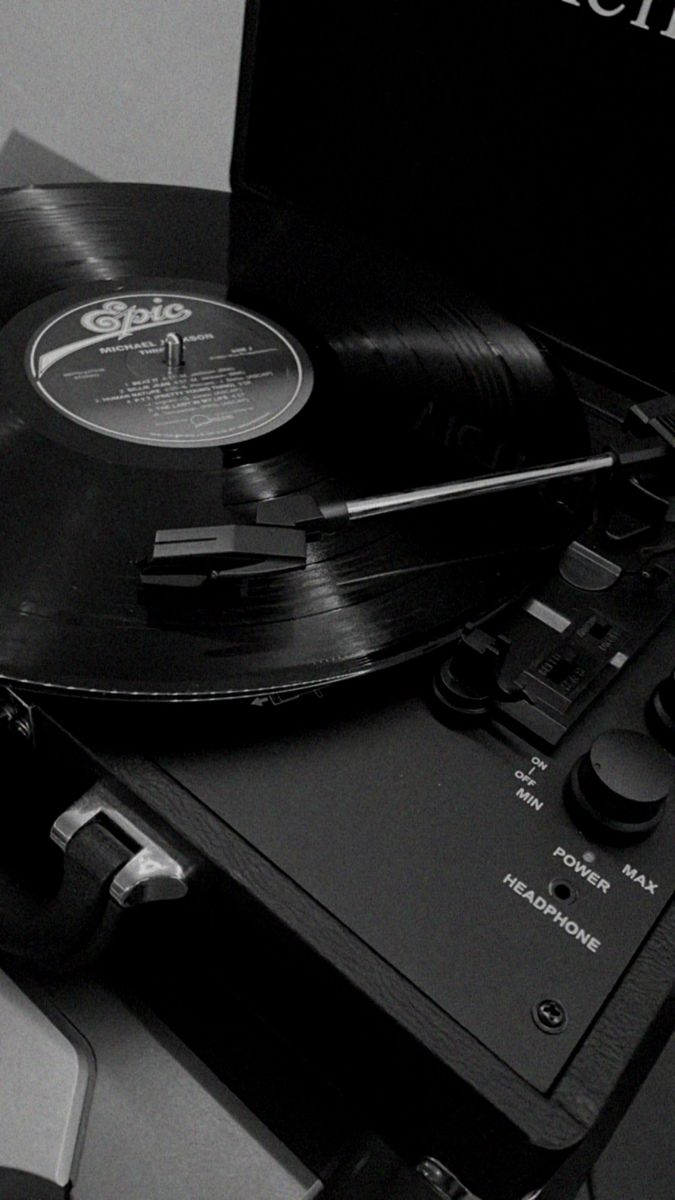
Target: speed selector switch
620, 787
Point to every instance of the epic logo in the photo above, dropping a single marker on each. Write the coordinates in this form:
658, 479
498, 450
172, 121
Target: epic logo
116, 317
644, 18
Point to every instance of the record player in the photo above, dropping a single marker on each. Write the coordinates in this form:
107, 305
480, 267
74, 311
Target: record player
336, 637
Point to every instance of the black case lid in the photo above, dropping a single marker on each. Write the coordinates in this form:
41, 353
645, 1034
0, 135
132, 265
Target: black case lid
523, 144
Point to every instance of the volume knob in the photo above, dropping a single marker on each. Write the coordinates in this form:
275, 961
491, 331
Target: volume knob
661, 711
621, 785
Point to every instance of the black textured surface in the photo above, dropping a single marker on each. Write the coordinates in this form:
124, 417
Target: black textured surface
639, 1162
520, 144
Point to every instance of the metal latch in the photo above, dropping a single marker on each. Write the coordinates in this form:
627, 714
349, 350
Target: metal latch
111, 863
152, 873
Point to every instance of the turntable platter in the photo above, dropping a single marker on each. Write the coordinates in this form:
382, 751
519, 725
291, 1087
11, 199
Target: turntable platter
298, 362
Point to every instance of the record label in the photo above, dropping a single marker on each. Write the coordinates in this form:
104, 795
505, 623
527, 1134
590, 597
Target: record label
106, 364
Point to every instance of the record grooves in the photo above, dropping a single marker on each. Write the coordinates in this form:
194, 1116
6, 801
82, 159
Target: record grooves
313, 365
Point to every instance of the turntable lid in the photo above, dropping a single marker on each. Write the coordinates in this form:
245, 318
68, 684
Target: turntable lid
521, 145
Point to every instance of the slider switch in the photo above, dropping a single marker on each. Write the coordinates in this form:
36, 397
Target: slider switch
620, 787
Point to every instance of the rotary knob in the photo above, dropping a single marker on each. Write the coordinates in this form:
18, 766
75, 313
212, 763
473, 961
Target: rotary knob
467, 683
661, 711
620, 787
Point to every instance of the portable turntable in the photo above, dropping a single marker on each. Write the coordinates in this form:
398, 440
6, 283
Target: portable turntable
336, 609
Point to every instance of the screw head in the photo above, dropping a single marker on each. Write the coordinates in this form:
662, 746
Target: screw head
441, 1180
432, 1171
550, 1016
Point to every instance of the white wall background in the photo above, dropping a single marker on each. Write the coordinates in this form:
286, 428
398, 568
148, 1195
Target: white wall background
139, 90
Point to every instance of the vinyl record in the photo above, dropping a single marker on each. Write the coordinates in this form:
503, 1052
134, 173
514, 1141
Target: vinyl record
298, 361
